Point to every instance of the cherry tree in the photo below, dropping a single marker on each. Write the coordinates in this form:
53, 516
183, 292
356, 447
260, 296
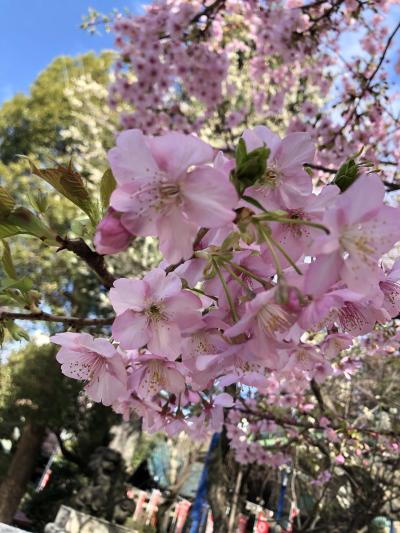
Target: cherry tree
277, 246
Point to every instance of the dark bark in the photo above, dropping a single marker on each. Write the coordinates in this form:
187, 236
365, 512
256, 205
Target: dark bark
94, 260
20, 471
218, 483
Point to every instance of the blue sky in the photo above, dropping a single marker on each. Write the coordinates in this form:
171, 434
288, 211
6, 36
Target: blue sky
33, 32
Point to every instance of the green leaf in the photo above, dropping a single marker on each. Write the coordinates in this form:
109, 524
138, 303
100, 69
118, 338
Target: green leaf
346, 175
22, 221
16, 332
7, 202
23, 284
107, 185
69, 183
252, 167
241, 153
7, 261
39, 202
7, 300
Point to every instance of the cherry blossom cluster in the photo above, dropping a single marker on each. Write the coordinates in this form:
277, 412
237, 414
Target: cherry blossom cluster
265, 280
163, 60
215, 67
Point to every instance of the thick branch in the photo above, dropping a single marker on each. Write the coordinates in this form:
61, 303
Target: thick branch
94, 260
46, 317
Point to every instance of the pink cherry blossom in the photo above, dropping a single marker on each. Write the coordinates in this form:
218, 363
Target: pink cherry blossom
361, 230
285, 178
266, 322
153, 311
153, 373
167, 190
390, 288
95, 361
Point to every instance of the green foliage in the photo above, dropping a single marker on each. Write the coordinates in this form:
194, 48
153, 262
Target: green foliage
7, 202
145, 446
69, 183
64, 118
351, 170
7, 261
107, 185
36, 388
346, 175
29, 124
250, 167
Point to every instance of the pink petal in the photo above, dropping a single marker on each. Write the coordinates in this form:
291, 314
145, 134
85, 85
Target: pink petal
176, 235
295, 150
136, 200
174, 381
383, 230
176, 152
131, 157
128, 294
163, 286
184, 309
224, 399
322, 274
103, 347
361, 274
165, 339
209, 198
109, 383
260, 136
362, 198
76, 365
130, 329
69, 339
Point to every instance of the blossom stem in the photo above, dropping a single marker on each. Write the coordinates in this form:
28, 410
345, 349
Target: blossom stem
286, 256
240, 281
263, 282
278, 218
199, 291
274, 255
226, 291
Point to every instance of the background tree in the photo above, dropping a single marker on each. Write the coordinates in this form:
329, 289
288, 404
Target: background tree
65, 116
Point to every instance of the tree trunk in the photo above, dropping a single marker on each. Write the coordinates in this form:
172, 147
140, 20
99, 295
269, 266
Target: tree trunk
218, 484
235, 501
20, 471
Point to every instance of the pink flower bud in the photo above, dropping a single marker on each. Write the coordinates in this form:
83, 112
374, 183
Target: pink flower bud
111, 237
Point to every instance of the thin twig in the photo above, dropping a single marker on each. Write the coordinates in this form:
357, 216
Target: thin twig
47, 317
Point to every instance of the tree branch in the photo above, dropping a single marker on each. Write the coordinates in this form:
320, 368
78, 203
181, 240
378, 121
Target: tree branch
46, 317
320, 167
202, 232
94, 260
70, 456
367, 83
